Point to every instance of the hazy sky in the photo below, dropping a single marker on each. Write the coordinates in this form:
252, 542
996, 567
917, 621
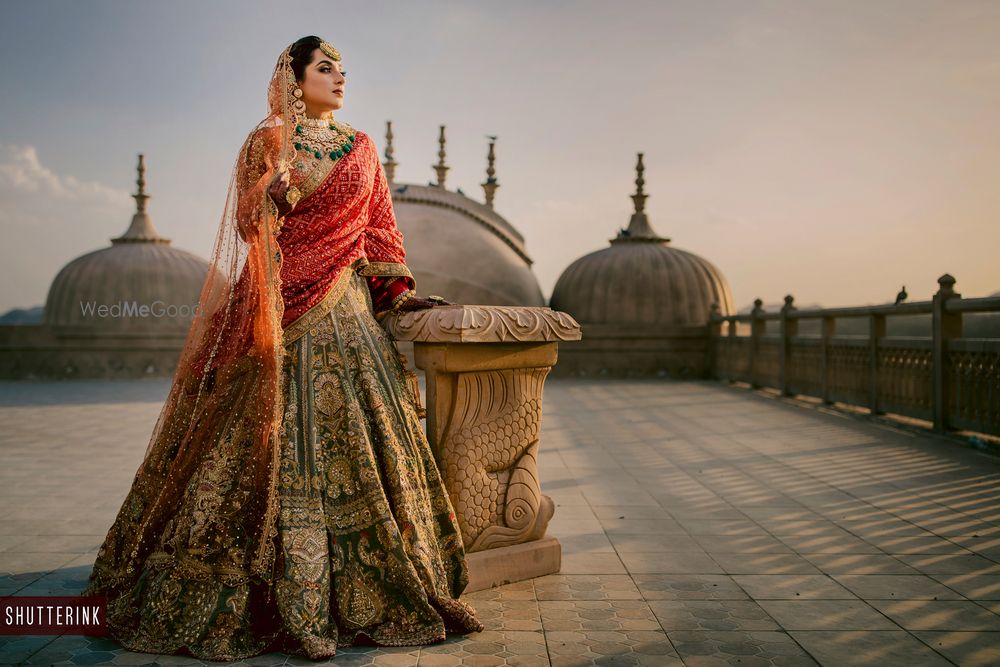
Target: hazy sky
833, 150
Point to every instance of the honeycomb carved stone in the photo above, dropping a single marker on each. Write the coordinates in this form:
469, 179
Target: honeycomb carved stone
490, 463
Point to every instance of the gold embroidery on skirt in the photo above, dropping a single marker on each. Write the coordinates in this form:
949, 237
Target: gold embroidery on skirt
367, 539
356, 464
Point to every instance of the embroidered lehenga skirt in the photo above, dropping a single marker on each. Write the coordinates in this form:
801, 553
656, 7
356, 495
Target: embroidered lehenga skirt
369, 543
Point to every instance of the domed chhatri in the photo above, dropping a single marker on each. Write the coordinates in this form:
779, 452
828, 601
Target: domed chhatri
123, 311
641, 279
137, 287
643, 305
456, 246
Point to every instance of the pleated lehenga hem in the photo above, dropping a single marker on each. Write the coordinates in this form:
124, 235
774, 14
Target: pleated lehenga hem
368, 547
457, 618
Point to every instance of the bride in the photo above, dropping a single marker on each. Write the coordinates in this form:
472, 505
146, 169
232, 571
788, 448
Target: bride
288, 498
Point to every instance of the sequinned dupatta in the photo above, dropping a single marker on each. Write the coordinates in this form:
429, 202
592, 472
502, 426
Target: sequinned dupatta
212, 459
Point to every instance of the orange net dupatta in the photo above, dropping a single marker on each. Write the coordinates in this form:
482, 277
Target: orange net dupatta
222, 417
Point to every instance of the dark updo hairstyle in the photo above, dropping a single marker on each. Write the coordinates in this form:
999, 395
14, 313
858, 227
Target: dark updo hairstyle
301, 52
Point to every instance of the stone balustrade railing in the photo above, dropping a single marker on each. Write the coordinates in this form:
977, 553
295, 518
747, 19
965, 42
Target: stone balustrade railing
949, 378
485, 367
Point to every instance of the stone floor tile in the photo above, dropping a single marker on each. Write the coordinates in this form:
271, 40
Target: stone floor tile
560, 497
992, 605
23, 562
973, 586
829, 544
969, 649
12, 542
715, 615
437, 660
592, 615
743, 544
988, 546
759, 513
616, 526
858, 564
623, 512
913, 544
826, 615
596, 542
709, 647
16, 649
868, 648
702, 511
688, 587
586, 587
603, 496
592, 563
950, 564
576, 512
896, 587
569, 648
722, 527
653, 543
518, 590
564, 526
73, 544
676, 562
792, 587
890, 528
938, 614
764, 564
508, 615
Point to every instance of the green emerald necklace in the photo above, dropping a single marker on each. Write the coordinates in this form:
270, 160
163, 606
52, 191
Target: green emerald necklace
323, 137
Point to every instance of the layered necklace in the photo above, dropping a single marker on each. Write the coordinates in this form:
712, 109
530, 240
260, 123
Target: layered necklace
322, 138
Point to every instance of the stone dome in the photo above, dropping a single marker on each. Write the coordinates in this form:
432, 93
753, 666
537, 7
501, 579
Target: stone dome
138, 287
457, 247
641, 280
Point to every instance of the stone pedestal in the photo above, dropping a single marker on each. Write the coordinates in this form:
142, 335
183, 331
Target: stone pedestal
503, 565
485, 368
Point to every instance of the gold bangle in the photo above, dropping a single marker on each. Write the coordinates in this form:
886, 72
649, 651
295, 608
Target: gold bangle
400, 299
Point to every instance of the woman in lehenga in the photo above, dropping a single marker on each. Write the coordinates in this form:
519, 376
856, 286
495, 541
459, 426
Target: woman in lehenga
289, 499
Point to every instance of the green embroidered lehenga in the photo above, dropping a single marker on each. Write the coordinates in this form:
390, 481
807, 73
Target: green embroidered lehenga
289, 498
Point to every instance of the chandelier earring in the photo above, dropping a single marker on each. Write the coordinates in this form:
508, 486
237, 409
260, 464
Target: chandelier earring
298, 106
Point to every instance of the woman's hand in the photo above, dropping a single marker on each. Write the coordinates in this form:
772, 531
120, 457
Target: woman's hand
419, 303
278, 189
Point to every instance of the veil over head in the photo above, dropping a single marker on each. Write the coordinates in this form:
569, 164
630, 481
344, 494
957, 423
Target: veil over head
223, 414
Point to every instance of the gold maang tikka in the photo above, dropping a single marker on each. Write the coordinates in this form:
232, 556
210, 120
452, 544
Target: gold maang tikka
328, 49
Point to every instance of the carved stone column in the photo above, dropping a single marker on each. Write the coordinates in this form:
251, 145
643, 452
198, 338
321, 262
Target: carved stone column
485, 367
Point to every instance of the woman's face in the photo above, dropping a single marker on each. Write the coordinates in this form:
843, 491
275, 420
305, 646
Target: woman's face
322, 85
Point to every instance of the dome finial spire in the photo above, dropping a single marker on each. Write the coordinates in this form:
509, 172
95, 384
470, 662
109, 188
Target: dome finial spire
639, 198
441, 168
141, 196
639, 228
141, 230
390, 163
491, 184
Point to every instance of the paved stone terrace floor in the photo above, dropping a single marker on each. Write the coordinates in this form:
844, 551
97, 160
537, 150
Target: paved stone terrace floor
701, 525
